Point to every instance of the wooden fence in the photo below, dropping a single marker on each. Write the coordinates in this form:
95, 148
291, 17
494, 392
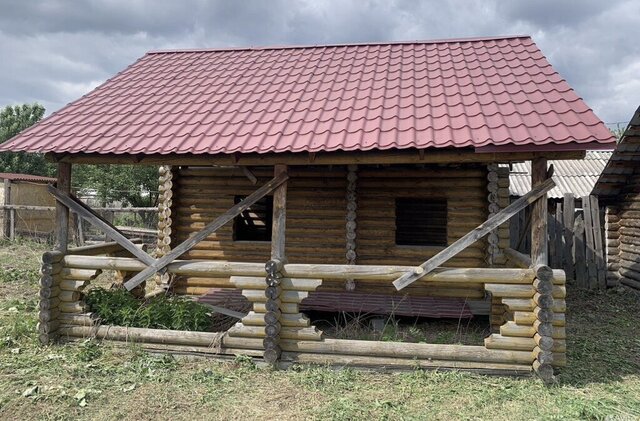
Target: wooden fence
81, 232
576, 239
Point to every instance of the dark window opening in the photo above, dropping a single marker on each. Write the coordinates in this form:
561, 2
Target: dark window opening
254, 224
421, 222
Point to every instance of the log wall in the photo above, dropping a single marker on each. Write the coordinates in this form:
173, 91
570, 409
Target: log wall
317, 217
628, 225
612, 244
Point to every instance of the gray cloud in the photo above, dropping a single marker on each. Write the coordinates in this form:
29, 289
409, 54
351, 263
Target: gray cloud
54, 51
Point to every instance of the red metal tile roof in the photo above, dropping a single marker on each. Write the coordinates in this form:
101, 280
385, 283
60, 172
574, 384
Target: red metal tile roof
26, 177
456, 93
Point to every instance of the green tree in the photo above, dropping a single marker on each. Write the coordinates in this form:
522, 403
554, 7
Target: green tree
133, 185
13, 120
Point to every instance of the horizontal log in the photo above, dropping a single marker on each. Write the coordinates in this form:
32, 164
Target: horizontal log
305, 334
627, 264
223, 268
287, 320
630, 282
49, 303
514, 329
519, 259
69, 296
47, 327
407, 350
303, 159
523, 304
52, 256
73, 307
48, 315
298, 284
48, 293
528, 331
71, 285
286, 296
529, 318
78, 274
98, 249
404, 363
496, 341
185, 350
630, 274
87, 319
510, 290
136, 334
288, 308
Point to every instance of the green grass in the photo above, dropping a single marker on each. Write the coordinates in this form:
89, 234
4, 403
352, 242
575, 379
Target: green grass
95, 381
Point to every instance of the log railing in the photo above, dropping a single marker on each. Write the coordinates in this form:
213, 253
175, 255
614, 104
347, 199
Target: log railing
532, 334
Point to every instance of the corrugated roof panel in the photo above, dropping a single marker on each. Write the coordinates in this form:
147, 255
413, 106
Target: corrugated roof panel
458, 93
571, 176
26, 177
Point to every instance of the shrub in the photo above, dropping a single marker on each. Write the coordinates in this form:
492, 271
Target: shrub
119, 307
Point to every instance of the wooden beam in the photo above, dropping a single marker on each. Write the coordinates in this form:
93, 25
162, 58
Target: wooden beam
85, 212
279, 216
62, 211
320, 158
6, 229
520, 259
539, 236
483, 229
247, 172
209, 229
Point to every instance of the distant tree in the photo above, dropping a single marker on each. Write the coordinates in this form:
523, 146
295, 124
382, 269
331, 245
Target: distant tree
132, 185
13, 120
618, 132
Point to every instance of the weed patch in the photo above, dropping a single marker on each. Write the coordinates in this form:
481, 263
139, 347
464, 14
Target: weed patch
118, 307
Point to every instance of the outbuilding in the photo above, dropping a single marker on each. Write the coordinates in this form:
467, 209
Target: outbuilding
367, 169
619, 191
24, 199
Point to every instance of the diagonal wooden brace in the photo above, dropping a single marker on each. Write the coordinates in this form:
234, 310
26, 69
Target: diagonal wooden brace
209, 229
483, 229
89, 215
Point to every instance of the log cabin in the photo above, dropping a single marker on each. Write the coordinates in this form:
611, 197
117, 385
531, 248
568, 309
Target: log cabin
358, 170
618, 189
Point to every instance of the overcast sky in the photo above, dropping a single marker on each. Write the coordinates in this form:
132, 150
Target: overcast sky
53, 51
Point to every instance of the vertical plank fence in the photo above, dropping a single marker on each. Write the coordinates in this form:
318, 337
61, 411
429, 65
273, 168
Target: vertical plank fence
575, 239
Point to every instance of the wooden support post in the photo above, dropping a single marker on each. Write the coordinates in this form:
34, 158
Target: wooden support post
62, 212
6, 229
279, 215
352, 206
539, 251
568, 211
12, 224
273, 290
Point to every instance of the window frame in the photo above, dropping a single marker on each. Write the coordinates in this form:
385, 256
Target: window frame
244, 230
400, 217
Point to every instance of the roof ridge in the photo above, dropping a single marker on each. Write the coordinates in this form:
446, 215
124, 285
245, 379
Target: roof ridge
356, 44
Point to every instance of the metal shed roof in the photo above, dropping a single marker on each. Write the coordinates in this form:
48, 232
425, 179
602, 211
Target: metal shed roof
467, 93
26, 177
571, 176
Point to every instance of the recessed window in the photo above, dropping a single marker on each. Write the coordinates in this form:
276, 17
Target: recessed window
421, 222
254, 224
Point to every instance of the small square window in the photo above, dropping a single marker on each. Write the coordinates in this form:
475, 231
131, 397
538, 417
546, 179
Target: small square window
254, 224
421, 222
